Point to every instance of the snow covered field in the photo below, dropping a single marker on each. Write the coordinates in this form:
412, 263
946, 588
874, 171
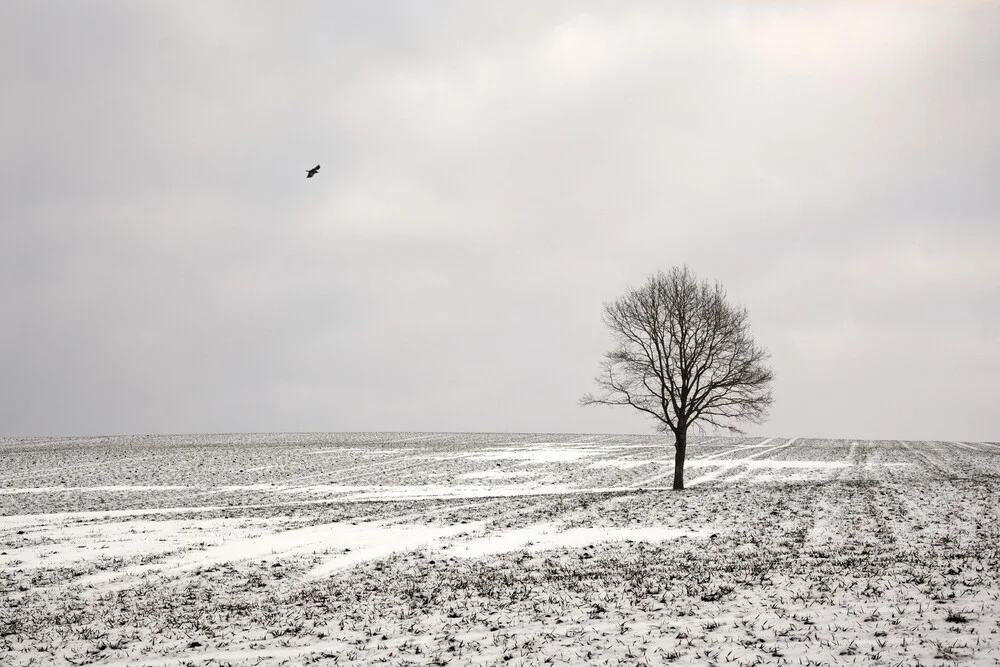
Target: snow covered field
433, 549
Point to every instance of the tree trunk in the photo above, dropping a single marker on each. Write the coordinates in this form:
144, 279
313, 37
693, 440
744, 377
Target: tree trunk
680, 447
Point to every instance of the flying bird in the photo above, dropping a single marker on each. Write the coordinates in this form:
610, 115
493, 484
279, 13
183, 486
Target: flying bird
312, 172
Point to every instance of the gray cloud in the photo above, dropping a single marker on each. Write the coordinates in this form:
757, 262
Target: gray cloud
489, 179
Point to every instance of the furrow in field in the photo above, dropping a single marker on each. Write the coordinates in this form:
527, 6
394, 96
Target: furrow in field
736, 450
647, 481
964, 445
338, 545
350, 543
68, 470
381, 469
873, 554
729, 466
855, 519
929, 459
29, 521
259, 656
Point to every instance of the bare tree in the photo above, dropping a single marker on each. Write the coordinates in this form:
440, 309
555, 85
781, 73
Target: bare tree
685, 357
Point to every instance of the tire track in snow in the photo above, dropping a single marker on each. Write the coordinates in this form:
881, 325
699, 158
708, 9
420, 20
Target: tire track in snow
364, 541
378, 466
829, 516
358, 542
739, 448
962, 444
852, 456
361, 471
737, 463
42, 520
669, 474
219, 534
433, 461
932, 465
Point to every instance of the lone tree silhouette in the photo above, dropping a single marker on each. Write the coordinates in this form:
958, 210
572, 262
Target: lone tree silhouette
685, 357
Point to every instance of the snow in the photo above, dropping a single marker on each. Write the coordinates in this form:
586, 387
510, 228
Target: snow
490, 474
553, 534
359, 542
625, 465
80, 543
92, 489
253, 656
728, 465
363, 450
755, 463
572, 550
377, 541
536, 455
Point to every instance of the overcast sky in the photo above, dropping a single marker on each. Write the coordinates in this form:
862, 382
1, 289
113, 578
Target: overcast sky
492, 173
